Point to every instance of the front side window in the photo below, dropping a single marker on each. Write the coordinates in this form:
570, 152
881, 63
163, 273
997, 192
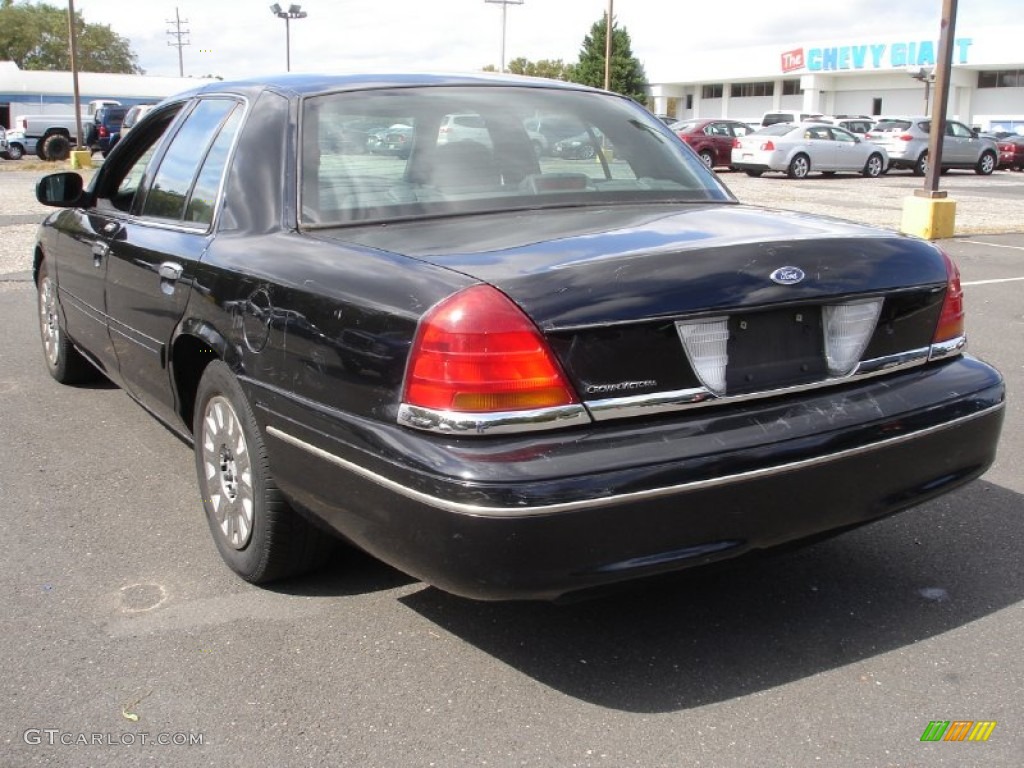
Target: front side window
959, 130
453, 150
123, 173
167, 195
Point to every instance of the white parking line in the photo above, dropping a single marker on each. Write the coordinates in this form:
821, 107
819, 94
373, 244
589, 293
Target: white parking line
991, 282
994, 245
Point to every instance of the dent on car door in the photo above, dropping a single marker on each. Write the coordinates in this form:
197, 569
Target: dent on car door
154, 254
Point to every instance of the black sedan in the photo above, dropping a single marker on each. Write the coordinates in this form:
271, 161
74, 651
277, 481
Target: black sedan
505, 375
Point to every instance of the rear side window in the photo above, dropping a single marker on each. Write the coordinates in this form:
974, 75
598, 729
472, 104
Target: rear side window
169, 191
891, 126
203, 201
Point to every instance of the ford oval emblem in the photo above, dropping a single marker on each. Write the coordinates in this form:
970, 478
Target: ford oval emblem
787, 275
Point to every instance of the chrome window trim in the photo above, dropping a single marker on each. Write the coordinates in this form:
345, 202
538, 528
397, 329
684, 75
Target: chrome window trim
464, 508
500, 423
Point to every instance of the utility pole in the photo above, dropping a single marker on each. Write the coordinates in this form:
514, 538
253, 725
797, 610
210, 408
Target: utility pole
178, 33
73, 40
504, 12
608, 29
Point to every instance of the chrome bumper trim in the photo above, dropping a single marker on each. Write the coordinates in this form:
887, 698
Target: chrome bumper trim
464, 508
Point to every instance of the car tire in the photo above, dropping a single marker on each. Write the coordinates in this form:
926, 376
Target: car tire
257, 533
56, 147
65, 363
799, 167
707, 158
754, 174
986, 164
15, 152
873, 167
921, 166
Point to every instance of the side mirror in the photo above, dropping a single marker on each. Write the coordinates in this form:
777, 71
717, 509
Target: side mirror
60, 190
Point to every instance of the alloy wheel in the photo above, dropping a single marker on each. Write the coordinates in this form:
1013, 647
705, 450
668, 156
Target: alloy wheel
227, 472
49, 323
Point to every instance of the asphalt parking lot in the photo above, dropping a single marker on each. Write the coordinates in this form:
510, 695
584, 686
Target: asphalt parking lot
125, 640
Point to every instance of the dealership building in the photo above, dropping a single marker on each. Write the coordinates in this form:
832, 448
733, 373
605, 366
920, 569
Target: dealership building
874, 76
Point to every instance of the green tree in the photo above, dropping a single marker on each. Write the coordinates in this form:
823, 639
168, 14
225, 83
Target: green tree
36, 37
627, 73
553, 69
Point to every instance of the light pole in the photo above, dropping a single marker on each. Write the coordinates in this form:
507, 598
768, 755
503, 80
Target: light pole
504, 12
927, 76
293, 12
608, 46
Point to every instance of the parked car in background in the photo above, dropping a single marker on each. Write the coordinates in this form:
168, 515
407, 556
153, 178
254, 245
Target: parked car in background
582, 146
855, 125
3, 142
508, 378
803, 148
1011, 153
18, 145
905, 139
131, 117
550, 129
105, 123
771, 118
712, 140
395, 140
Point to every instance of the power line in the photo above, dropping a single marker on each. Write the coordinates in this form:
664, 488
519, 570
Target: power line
178, 33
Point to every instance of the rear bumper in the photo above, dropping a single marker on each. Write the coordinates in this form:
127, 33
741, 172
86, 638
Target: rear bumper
540, 517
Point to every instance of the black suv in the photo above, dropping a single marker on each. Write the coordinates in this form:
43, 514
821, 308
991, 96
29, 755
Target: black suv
105, 123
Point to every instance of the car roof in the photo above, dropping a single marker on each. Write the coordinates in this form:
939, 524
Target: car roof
316, 84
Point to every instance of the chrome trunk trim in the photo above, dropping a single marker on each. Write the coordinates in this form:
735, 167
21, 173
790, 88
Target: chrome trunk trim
507, 422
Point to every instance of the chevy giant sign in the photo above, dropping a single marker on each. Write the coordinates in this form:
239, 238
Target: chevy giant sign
871, 56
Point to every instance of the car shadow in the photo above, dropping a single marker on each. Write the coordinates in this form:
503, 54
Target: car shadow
714, 635
348, 572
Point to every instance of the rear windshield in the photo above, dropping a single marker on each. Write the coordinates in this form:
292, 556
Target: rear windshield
891, 126
777, 129
409, 152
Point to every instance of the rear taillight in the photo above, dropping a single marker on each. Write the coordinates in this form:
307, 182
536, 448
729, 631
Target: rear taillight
103, 132
477, 352
768, 146
736, 143
951, 319
905, 137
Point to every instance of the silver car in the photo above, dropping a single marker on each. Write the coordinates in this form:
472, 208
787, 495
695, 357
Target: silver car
906, 141
18, 145
798, 149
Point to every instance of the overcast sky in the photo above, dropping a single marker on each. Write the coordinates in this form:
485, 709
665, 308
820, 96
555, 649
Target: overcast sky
241, 38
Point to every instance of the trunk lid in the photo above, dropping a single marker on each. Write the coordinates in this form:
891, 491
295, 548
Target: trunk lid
616, 290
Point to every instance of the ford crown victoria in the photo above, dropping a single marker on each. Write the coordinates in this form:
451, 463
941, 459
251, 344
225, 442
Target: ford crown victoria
510, 376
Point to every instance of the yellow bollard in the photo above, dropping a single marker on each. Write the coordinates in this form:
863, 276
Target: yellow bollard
933, 218
81, 158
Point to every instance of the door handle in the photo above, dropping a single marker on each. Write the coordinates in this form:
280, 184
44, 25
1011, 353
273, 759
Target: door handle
169, 273
99, 252
170, 270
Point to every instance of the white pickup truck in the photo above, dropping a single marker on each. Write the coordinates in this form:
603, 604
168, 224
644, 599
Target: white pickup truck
54, 134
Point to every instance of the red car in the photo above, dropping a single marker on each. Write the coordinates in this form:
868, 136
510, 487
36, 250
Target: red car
1011, 153
711, 139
